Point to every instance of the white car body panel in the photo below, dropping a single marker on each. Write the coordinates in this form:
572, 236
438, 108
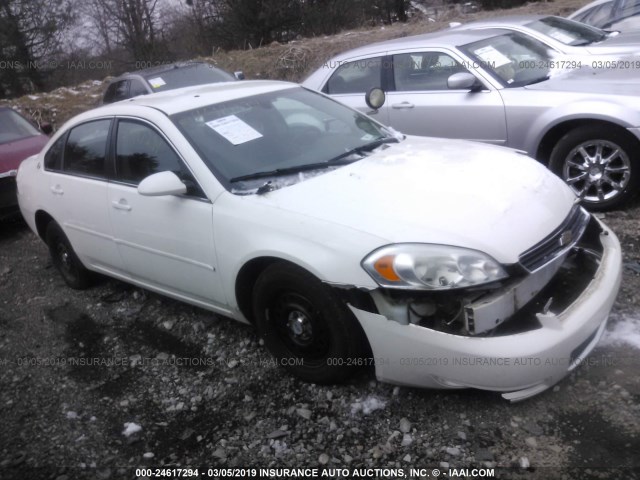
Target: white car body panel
166, 241
482, 210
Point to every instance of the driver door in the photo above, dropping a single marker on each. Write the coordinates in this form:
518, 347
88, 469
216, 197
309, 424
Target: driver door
165, 241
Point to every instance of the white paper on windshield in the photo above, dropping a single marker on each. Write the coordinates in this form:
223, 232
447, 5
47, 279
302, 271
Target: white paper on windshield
157, 82
234, 129
492, 56
561, 36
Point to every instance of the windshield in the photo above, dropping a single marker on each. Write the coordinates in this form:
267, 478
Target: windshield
187, 75
14, 127
567, 31
277, 133
623, 9
513, 58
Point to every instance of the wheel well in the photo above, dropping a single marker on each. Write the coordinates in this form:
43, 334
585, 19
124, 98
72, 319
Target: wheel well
246, 280
552, 137
42, 222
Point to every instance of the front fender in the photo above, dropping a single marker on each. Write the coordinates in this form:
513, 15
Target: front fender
615, 114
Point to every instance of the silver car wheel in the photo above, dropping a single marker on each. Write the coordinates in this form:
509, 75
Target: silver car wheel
597, 170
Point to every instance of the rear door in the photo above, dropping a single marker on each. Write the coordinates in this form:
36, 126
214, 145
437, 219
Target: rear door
78, 182
352, 80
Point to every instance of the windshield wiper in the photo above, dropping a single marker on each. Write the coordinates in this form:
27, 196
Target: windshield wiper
538, 80
341, 159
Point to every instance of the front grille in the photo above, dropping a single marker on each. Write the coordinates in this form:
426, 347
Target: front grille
558, 242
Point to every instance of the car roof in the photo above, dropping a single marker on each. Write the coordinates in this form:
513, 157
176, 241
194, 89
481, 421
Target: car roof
189, 98
440, 39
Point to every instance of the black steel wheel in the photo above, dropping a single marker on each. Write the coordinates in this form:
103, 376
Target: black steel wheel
65, 259
305, 326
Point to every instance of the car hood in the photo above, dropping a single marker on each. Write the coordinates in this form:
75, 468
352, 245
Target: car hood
13, 153
623, 81
437, 191
624, 42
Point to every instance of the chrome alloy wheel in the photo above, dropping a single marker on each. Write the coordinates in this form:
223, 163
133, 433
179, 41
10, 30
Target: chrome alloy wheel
597, 170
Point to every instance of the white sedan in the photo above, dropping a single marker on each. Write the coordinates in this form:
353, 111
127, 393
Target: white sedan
442, 263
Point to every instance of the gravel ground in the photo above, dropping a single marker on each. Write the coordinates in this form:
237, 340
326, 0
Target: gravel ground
235, 408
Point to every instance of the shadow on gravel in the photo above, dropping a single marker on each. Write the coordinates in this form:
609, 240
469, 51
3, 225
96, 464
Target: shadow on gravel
85, 344
600, 444
162, 341
10, 228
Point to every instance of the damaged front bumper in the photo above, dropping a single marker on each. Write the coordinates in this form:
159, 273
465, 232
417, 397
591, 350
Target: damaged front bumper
520, 364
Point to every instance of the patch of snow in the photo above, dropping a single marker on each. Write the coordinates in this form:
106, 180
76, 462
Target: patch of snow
130, 428
72, 415
420, 7
33, 97
368, 405
622, 330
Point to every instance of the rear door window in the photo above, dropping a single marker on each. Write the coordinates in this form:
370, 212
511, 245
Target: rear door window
86, 149
356, 77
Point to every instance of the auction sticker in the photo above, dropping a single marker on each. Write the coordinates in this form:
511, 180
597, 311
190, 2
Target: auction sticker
157, 82
234, 130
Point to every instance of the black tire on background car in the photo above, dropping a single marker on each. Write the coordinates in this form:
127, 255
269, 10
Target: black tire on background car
601, 164
305, 326
65, 259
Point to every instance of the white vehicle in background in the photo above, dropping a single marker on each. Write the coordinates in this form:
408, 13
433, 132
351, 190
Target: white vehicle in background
620, 15
344, 243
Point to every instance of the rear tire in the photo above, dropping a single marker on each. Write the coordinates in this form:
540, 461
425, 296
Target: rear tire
65, 259
306, 327
600, 164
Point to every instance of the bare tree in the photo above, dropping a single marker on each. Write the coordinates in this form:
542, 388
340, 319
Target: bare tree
31, 33
132, 25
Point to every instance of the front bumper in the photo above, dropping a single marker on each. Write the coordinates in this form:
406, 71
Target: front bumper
521, 364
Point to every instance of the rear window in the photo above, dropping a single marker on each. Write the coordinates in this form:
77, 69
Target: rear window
14, 127
186, 76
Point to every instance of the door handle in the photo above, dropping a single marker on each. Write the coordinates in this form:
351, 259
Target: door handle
121, 205
57, 190
398, 106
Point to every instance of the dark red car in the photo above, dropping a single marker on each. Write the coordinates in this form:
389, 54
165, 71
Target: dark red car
19, 139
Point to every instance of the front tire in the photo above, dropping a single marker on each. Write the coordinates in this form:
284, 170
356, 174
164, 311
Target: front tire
65, 259
305, 326
600, 164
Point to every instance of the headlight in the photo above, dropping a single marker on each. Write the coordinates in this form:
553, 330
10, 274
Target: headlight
431, 267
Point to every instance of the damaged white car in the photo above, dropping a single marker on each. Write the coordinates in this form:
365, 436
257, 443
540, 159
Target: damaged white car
441, 263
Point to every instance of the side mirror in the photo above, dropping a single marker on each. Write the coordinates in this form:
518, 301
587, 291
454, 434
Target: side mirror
46, 128
239, 75
463, 81
163, 183
375, 98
